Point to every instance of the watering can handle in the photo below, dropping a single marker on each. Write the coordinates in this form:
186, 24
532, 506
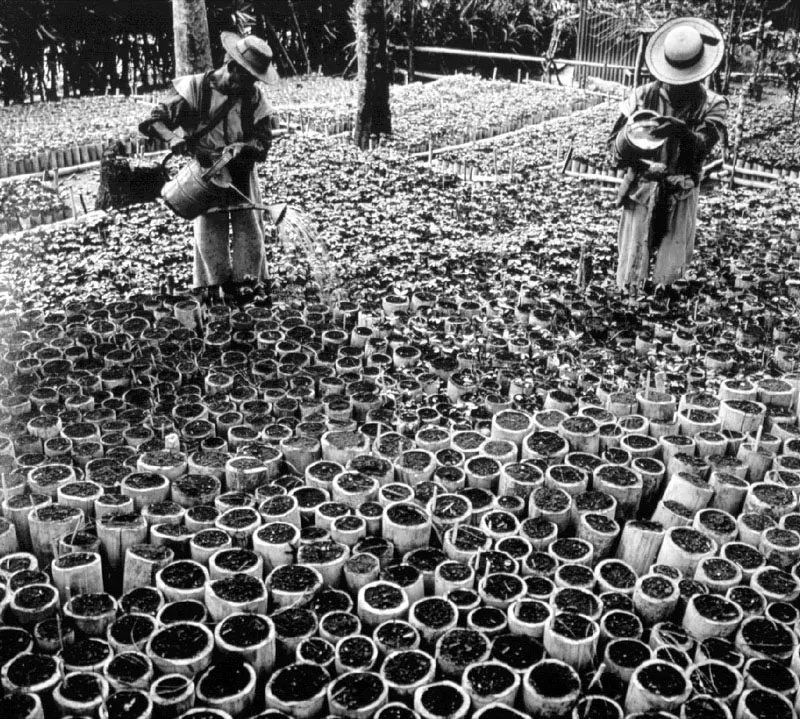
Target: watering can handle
225, 157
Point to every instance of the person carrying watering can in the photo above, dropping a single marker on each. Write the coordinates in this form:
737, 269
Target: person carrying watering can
666, 130
212, 111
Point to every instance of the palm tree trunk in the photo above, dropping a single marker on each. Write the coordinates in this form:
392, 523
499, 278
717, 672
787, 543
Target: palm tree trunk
373, 116
192, 42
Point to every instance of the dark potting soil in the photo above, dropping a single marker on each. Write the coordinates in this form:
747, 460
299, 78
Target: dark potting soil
25, 578
244, 630
618, 574
550, 499
612, 601
718, 521
146, 600
703, 708
622, 625
592, 501
309, 497
573, 626
80, 489
514, 421
324, 471
542, 563
128, 667
208, 538
349, 523
501, 522
356, 652
121, 520
523, 473
383, 596
396, 635
171, 686
75, 559
596, 707
27, 670
449, 457
81, 687
128, 704
490, 679
577, 601
238, 588
545, 443
772, 675
331, 600
503, 586
183, 575
662, 679
299, 682
320, 552
617, 475
745, 406
469, 538
131, 629
34, 596
601, 523
483, 466
777, 581
17, 706
744, 555
426, 559
463, 646
768, 705
196, 485
236, 560
185, 610
692, 541
143, 480
316, 650
767, 637
371, 466
434, 612
747, 598
56, 513
719, 569
454, 571
13, 641
551, 679
570, 549
722, 650
539, 586
294, 622
415, 461
515, 547
85, 652
756, 521
92, 605
480, 498
277, 533
356, 690
492, 561
532, 611
179, 641
224, 680
488, 617
371, 510
783, 612
657, 587
773, 494
340, 624
442, 700
628, 653
406, 514
239, 518
407, 667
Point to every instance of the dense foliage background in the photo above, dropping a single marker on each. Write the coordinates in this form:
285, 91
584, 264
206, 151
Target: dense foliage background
60, 48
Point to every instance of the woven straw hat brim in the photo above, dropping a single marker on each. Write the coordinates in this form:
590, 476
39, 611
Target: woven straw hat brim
712, 53
230, 41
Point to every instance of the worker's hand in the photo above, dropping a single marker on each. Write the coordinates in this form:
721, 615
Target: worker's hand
669, 127
178, 146
245, 151
655, 171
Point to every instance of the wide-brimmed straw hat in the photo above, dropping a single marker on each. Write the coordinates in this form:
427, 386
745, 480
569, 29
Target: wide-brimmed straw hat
252, 53
684, 50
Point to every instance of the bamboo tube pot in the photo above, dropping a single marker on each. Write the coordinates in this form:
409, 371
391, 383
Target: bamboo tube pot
729, 492
519, 480
640, 544
359, 570
34, 603
656, 685
234, 594
112, 504
48, 524
529, 617
181, 580
407, 526
77, 573
683, 548
762, 638
92, 614
249, 638
118, 532
172, 695
181, 648
292, 584
429, 699
135, 703
621, 483
709, 615
299, 690
550, 688
432, 617
129, 632
228, 686
36, 674
489, 683
229, 561
405, 671
715, 678
358, 694
718, 574
770, 499
276, 544
759, 703
23, 705
145, 488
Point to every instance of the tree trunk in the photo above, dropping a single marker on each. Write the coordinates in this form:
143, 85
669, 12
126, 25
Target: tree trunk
192, 43
373, 116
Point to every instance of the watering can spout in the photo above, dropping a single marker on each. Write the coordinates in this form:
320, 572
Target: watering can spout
277, 212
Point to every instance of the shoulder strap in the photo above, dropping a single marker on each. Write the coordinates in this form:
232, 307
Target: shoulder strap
205, 104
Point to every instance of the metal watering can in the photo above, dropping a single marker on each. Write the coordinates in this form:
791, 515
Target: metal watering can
195, 190
635, 139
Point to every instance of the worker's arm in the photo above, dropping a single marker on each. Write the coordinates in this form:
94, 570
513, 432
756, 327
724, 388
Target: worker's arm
165, 118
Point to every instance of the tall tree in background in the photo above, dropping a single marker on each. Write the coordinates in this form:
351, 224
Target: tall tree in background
192, 43
373, 116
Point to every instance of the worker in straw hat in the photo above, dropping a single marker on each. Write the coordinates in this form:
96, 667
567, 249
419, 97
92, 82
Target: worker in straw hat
665, 133
204, 114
